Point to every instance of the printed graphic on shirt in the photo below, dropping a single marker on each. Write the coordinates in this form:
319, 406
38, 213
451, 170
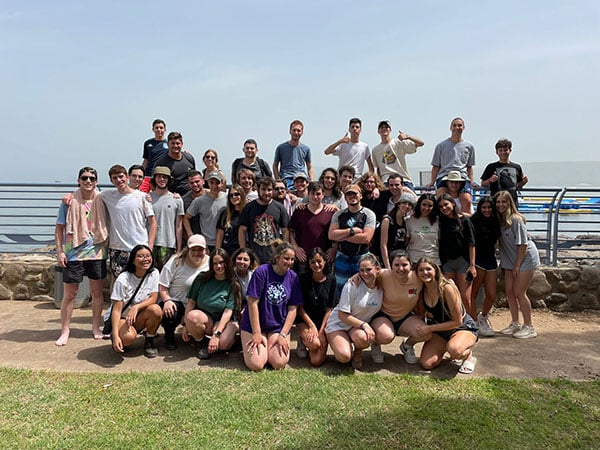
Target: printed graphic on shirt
276, 293
264, 230
388, 156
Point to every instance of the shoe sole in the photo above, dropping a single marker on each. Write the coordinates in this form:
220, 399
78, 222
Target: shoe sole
527, 336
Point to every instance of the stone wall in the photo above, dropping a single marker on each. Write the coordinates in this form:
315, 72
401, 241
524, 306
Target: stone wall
570, 287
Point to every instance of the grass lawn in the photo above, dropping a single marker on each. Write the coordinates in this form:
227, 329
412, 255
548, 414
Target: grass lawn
304, 409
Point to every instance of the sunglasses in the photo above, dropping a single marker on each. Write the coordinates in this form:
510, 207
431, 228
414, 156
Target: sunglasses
87, 178
235, 194
210, 157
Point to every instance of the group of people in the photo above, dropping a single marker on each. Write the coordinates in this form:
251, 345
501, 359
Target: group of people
352, 259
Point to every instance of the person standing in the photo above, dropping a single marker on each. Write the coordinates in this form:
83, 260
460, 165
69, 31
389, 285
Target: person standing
208, 208
130, 214
352, 228
154, 149
389, 156
292, 157
504, 175
454, 153
136, 177
263, 221
350, 150
77, 254
168, 211
178, 162
256, 165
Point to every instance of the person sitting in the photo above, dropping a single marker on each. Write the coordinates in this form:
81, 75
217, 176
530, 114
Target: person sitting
211, 301
447, 327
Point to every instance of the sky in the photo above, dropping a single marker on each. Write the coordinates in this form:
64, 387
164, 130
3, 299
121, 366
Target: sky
83, 80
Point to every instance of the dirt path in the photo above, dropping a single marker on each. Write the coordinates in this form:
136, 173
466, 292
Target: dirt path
568, 346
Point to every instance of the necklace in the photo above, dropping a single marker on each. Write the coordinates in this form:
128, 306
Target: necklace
319, 291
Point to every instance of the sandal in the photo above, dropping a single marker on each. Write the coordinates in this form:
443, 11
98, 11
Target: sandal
468, 365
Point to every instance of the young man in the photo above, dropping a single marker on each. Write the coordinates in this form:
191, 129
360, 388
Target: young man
281, 195
347, 176
178, 162
129, 213
251, 162
154, 149
309, 227
196, 186
168, 211
389, 156
504, 175
262, 221
350, 150
352, 228
207, 208
136, 177
292, 157
454, 153
77, 254
300, 185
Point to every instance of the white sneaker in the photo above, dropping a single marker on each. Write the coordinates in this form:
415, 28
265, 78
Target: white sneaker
301, 351
512, 328
525, 332
376, 353
485, 327
409, 352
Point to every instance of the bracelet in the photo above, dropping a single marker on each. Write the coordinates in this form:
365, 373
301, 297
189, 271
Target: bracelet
283, 335
362, 325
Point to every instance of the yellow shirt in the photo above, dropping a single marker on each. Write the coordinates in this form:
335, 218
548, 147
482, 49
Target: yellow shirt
399, 298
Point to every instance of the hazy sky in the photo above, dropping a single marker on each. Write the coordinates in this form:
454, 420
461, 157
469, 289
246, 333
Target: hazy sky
83, 80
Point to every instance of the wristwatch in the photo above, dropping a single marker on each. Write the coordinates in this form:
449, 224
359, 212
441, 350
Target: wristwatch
352, 231
217, 334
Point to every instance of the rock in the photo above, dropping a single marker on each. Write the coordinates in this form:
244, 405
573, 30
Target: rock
568, 287
538, 304
21, 292
14, 274
584, 300
556, 298
556, 274
539, 286
42, 298
5, 293
590, 277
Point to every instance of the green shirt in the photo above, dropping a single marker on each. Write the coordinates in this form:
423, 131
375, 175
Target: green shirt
212, 296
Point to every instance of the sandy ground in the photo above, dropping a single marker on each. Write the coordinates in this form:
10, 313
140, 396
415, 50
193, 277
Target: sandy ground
568, 346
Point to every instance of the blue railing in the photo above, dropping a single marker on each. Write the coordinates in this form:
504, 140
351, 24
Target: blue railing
564, 222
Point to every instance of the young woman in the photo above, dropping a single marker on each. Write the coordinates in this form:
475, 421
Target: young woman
211, 162
273, 295
77, 254
393, 228
422, 229
519, 258
447, 327
320, 296
332, 195
134, 303
209, 310
245, 263
176, 278
348, 325
487, 231
229, 220
457, 247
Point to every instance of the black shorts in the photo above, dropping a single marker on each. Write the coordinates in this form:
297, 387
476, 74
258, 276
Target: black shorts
75, 270
467, 325
397, 324
486, 263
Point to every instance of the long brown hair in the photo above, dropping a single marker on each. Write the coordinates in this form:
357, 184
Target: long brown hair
230, 208
203, 277
441, 282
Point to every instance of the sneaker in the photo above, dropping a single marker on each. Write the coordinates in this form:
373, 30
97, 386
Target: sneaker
150, 349
301, 351
512, 328
170, 340
525, 332
376, 353
485, 327
409, 352
203, 349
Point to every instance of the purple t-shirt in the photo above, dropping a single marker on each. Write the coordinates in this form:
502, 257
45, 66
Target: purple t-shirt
274, 293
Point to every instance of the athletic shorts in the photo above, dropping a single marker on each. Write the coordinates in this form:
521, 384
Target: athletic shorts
467, 325
395, 324
455, 265
487, 264
74, 272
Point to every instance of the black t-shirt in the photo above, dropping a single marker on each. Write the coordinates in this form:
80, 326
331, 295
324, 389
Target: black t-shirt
179, 171
318, 297
509, 175
264, 224
456, 236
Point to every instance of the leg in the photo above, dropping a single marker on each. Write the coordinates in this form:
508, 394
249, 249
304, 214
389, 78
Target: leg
432, 352
66, 311
477, 283
313, 345
96, 287
460, 344
317, 357
520, 285
360, 340
513, 305
255, 360
198, 323
465, 291
277, 357
227, 339
340, 345
490, 285
149, 319
384, 330
409, 328
466, 200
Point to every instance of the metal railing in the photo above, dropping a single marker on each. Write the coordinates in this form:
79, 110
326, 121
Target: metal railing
564, 222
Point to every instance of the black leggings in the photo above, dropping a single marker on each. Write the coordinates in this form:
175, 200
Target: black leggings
170, 323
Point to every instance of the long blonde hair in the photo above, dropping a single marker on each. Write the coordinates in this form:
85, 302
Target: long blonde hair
506, 218
441, 282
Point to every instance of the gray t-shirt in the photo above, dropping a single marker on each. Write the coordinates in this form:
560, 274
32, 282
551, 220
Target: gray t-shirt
510, 239
208, 211
166, 210
450, 155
